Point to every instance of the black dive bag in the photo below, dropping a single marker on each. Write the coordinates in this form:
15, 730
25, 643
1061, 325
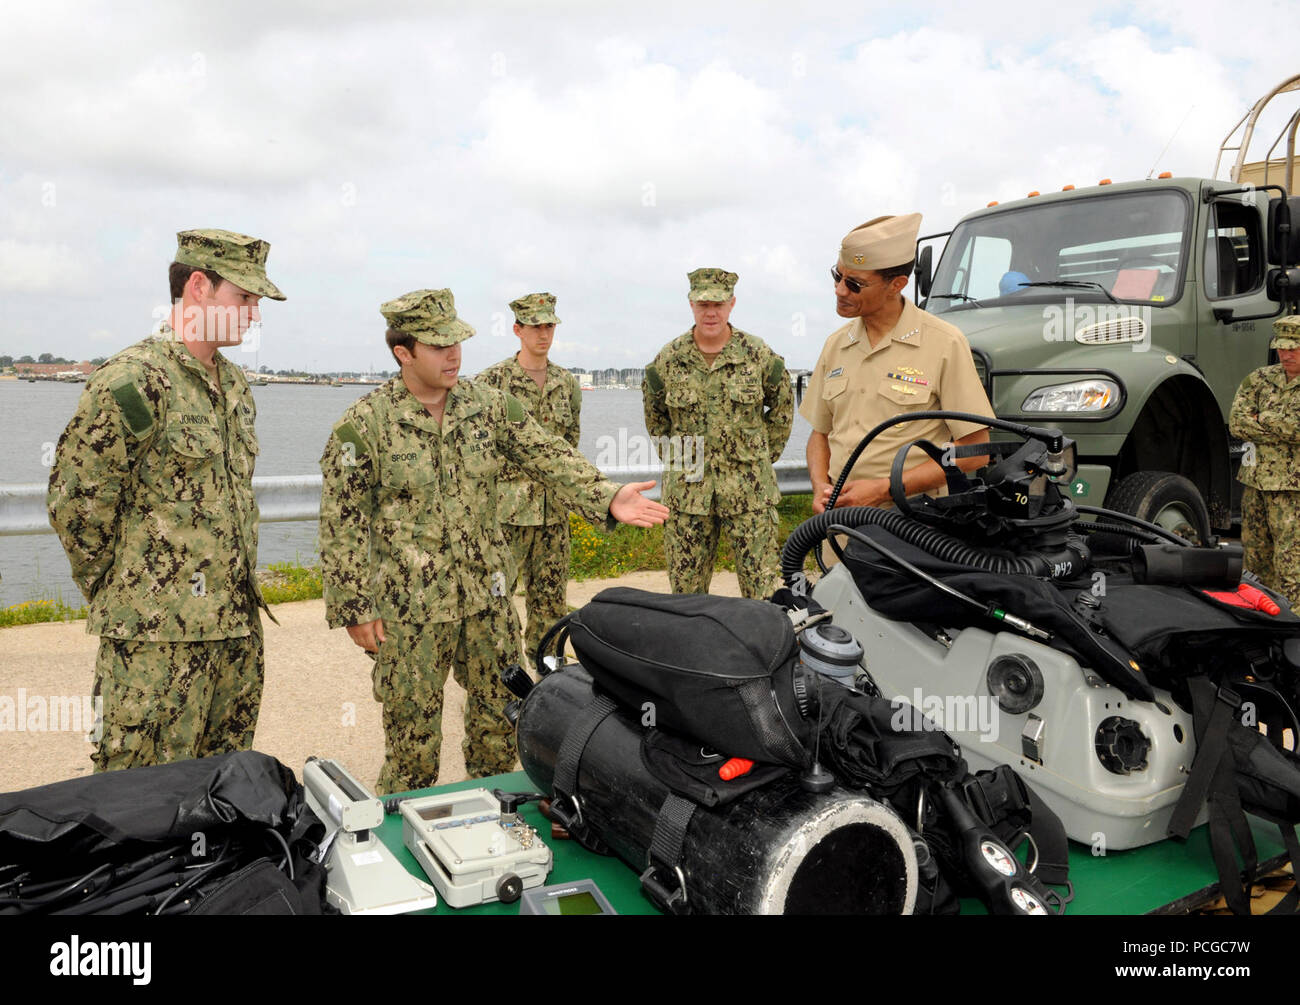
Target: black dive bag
709, 667
229, 834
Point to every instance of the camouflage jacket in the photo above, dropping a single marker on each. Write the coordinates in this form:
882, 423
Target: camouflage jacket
151, 494
408, 521
1266, 415
725, 425
521, 501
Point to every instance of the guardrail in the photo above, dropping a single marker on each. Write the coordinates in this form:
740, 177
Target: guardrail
286, 498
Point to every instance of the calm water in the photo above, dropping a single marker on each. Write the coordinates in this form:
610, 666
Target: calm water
292, 425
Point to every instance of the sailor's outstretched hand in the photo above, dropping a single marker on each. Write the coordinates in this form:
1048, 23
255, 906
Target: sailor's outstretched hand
630, 506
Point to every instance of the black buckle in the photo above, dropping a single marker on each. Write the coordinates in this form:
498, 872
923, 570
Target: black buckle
674, 901
1228, 696
570, 820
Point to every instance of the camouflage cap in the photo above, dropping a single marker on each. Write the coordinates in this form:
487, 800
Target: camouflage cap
712, 284
535, 309
236, 257
1286, 333
427, 315
883, 243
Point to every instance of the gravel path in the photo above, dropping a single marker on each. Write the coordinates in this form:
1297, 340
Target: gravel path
317, 698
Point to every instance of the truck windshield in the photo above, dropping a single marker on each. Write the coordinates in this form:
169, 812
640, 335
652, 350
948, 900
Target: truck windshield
1125, 246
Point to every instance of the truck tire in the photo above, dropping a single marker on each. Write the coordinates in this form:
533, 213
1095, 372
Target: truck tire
1163, 498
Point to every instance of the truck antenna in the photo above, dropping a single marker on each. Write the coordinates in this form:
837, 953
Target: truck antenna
1171, 139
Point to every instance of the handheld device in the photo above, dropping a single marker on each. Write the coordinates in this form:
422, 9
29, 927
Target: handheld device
474, 846
362, 875
582, 896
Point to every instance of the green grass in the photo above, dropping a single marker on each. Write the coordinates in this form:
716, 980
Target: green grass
594, 555
285, 582
34, 612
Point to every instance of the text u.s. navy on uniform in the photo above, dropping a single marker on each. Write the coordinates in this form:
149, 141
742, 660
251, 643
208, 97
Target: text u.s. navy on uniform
892, 357
151, 494
1266, 415
719, 403
413, 559
535, 521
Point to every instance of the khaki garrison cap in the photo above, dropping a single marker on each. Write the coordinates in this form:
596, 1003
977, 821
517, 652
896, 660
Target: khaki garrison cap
714, 285
535, 309
236, 257
882, 243
1286, 333
429, 316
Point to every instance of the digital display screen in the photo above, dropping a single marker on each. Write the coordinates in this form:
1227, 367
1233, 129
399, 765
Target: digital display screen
573, 903
435, 812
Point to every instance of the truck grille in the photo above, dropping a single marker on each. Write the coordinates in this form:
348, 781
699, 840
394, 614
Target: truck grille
1112, 331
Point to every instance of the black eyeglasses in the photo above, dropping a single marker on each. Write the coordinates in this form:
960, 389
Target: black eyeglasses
854, 285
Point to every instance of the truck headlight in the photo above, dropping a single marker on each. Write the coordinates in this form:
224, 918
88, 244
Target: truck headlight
1080, 396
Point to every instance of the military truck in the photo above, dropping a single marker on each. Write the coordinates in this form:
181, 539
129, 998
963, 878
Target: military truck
1127, 314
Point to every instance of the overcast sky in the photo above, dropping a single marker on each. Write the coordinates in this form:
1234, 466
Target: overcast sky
599, 151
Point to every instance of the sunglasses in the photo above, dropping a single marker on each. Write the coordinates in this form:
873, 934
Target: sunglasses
853, 285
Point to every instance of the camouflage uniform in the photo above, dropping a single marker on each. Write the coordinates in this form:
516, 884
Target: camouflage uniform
409, 533
727, 423
535, 522
151, 495
1266, 415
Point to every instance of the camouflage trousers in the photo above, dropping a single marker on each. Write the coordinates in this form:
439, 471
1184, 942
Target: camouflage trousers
542, 557
172, 701
408, 679
1270, 534
691, 548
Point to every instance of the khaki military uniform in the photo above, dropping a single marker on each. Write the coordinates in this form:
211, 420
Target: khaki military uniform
535, 521
923, 364
727, 424
1266, 415
151, 495
409, 533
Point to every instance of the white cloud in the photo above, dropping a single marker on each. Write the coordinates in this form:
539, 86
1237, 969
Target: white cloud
507, 148
41, 268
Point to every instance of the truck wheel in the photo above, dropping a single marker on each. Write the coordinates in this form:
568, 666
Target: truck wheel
1163, 498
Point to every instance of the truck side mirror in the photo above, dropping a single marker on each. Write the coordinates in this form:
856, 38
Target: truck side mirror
1275, 286
1283, 238
923, 265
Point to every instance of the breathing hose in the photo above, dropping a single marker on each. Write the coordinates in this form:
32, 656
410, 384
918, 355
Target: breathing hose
806, 536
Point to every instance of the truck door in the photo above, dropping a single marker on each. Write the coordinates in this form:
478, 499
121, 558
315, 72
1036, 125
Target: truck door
1228, 343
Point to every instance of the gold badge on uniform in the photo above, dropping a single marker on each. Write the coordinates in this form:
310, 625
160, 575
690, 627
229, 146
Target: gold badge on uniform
904, 390
858, 259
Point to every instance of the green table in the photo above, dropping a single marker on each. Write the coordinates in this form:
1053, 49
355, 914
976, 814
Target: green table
1153, 879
